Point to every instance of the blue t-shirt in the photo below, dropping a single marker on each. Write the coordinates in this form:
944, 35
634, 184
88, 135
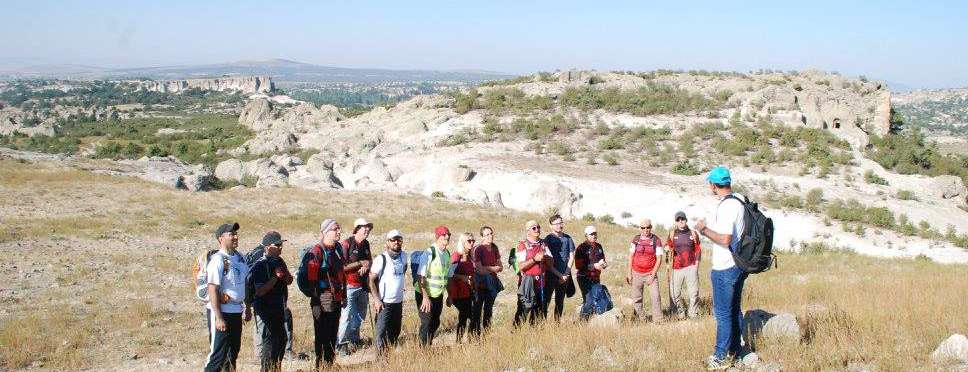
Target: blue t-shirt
561, 249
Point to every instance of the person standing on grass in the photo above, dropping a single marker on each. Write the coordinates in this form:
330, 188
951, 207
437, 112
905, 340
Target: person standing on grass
562, 249
685, 253
589, 261
460, 289
356, 251
251, 258
487, 263
322, 272
270, 279
533, 258
434, 272
227, 274
387, 281
726, 232
643, 270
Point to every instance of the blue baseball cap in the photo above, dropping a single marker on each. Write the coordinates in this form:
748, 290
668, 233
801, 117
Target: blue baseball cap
719, 176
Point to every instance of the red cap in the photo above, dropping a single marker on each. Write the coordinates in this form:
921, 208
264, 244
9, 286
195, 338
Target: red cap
441, 230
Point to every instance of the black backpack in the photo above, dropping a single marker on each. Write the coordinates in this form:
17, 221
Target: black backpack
754, 254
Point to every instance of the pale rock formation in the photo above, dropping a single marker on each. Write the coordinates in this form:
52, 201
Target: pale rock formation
169, 171
279, 128
244, 84
953, 349
317, 174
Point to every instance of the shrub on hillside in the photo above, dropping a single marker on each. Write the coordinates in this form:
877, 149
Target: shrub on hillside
685, 168
871, 177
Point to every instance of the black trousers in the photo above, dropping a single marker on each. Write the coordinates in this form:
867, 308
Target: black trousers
429, 322
481, 311
273, 339
325, 328
554, 290
463, 306
584, 284
387, 329
224, 344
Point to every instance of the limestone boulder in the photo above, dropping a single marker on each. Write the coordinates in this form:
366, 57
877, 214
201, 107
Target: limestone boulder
230, 170
268, 173
763, 324
316, 174
954, 349
608, 319
376, 171
257, 115
950, 187
169, 171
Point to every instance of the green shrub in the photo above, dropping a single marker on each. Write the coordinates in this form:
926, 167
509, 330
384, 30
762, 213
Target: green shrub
906, 195
588, 217
612, 142
791, 201
814, 200
465, 102
559, 148
880, 217
606, 218
686, 169
651, 99
610, 159
871, 177
437, 194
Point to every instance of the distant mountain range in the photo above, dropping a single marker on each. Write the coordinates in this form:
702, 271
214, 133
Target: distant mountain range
279, 69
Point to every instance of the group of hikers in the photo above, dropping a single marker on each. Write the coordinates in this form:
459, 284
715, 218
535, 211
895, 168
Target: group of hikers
342, 279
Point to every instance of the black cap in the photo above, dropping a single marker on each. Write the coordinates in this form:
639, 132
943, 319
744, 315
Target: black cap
680, 214
226, 227
272, 237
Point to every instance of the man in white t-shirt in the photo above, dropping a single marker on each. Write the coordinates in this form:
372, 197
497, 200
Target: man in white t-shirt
727, 279
387, 281
227, 273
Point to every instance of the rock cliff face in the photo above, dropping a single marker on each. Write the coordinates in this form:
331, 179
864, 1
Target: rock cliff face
244, 84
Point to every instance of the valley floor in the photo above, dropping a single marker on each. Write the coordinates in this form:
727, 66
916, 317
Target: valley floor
96, 275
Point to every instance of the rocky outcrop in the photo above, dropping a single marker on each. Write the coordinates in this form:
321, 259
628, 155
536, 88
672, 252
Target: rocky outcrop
280, 127
244, 84
265, 172
763, 324
952, 350
950, 187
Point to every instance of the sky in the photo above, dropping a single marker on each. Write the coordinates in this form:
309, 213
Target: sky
921, 44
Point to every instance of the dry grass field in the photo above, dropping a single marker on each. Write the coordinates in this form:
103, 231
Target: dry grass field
95, 274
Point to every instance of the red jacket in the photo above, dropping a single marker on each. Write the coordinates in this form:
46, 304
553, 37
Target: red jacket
684, 253
644, 253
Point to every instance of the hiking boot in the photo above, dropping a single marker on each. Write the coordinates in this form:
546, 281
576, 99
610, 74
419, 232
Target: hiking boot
344, 351
716, 364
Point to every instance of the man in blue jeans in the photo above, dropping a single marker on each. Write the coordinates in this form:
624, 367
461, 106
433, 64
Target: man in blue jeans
356, 250
726, 232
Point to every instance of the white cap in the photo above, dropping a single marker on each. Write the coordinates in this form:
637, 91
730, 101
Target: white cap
394, 234
590, 229
361, 222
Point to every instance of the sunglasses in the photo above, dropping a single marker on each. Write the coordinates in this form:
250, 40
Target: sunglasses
535, 228
646, 227
471, 240
680, 219
396, 240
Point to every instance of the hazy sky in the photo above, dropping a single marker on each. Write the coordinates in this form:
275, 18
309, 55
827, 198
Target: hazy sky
921, 44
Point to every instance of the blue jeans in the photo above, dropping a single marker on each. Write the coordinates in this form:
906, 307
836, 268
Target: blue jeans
353, 314
727, 294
